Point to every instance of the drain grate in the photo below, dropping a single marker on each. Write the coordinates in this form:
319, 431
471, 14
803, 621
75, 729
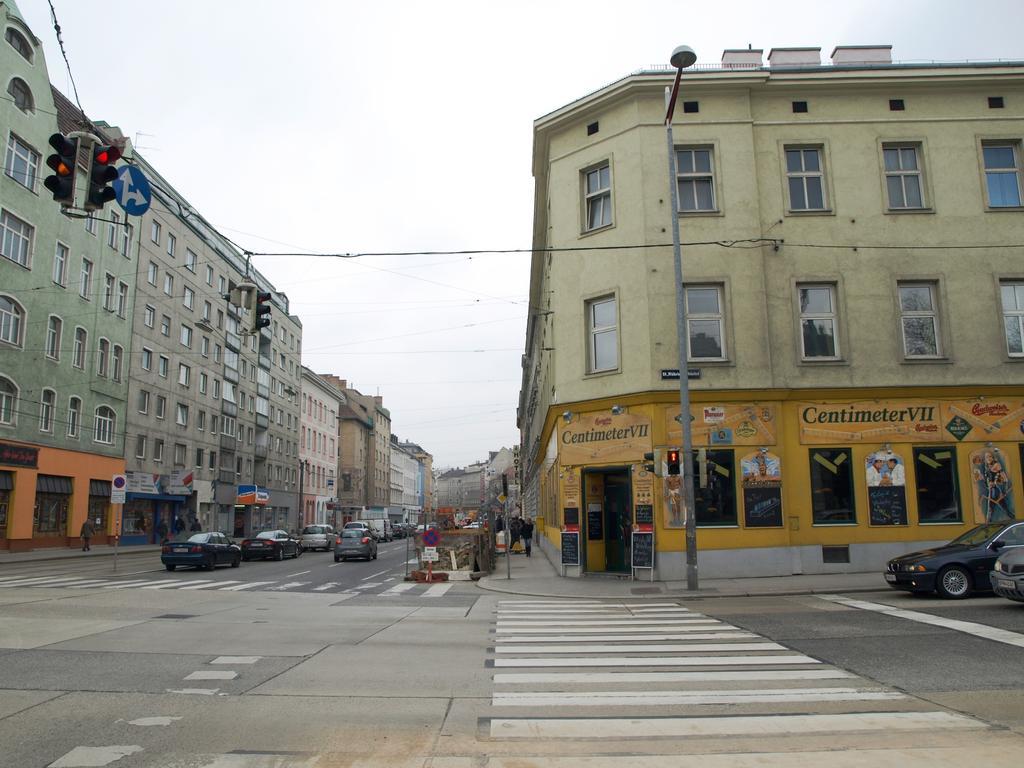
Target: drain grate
177, 616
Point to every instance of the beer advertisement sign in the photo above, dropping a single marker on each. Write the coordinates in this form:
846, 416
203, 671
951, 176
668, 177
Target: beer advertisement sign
730, 424
596, 438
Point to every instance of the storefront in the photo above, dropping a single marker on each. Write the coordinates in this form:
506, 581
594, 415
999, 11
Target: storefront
153, 502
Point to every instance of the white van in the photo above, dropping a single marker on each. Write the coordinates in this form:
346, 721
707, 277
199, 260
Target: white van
383, 528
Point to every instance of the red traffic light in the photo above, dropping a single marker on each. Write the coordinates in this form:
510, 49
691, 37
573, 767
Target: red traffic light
106, 155
62, 182
673, 457
101, 174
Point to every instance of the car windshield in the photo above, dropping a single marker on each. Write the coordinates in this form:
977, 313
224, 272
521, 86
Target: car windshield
267, 534
978, 535
352, 533
313, 529
354, 526
199, 538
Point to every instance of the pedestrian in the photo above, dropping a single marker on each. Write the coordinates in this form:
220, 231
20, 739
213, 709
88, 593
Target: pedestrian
195, 527
526, 531
161, 531
86, 533
515, 529
179, 525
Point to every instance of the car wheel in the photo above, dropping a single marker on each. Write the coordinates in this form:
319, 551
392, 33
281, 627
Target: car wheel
298, 551
209, 564
953, 582
279, 554
237, 561
170, 567
374, 556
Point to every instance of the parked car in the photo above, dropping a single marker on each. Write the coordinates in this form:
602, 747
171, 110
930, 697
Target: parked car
398, 530
361, 525
383, 528
201, 550
1007, 575
355, 542
317, 537
958, 568
275, 544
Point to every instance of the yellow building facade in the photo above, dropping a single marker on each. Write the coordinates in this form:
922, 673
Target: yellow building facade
854, 282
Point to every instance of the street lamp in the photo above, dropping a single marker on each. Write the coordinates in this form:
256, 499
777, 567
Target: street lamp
682, 57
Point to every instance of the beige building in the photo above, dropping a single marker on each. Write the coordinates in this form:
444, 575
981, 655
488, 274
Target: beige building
318, 446
364, 469
854, 282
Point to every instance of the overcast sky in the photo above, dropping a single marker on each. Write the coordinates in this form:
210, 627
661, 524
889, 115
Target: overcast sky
316, 126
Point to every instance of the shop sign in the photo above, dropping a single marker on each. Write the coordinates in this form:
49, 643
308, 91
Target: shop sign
143, 482
180, 482
643, 498
571, 499
741, 424
18, 455
603, 437
252, 494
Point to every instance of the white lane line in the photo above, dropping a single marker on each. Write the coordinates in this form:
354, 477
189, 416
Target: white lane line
688, 698
212, 585
375, 575
79, 757
300, 573
248, 585
399, 588
566, 601
83, 584
732, 634
759, 675
752, 725
635, 648
659, 661
326, 586
585, 613
370, 585
289, 585
34, 580
690, 626
197, 691
603, 623
133, 583
236, 659
63, 583
212, 674
967, 627
391, 579
437, 590
414, 561
165, 584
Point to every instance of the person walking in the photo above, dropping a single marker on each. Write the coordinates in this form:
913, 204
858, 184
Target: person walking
86, 533
195, 527
526, 531
161, 531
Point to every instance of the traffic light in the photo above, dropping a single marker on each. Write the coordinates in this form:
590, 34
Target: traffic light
260, 316
101, 173
649, 464
672, 459
63, 162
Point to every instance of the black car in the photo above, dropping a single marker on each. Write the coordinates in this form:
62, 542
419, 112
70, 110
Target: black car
1007, 575
275, 544
958, 568
202, 550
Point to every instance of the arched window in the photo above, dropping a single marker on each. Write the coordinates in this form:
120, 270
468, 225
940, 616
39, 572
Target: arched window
53, 334
8, 402
19, 43
22, 95
12, 317
103, 425
115, 365
47, 402
81, 344
104, 358
74, 416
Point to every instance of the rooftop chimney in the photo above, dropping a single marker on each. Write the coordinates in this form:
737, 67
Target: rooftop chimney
741, 58
846, 55
794, 57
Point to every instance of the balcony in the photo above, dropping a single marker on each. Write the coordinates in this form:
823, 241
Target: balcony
262, 422
228, 408
261, 451
227, 477
231, 374
228, 442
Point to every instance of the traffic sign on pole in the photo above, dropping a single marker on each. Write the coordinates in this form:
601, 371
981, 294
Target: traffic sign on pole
132, 190
118, 485
431, 537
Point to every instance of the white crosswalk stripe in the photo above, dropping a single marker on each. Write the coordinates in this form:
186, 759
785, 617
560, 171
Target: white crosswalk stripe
436, 590
398, 589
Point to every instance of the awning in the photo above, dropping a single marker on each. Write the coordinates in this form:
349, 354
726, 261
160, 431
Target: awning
53, 484
99, 488
6, 481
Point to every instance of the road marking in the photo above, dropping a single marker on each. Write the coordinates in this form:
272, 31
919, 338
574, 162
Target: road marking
248, 585
562, 678
659, 661
135, 583
63, 583
634, 648
566, 601
26, 580
84, 584
602, 623
212, 585
414, 561
300, 573
80, 757
583, 612
759, 725
236, 659
437, 590
163, 584
399, 588
289, 585
967, 627
197, 691
212, 674
730, 634
157, 720
328, 585
689, 626
368, 586
374, 575
687, 698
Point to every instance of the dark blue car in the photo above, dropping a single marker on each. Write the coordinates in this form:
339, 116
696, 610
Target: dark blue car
202, 550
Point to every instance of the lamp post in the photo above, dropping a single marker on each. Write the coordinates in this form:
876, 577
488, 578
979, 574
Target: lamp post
682, 57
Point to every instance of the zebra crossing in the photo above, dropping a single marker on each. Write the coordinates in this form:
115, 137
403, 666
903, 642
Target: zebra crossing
658, 677
370, 588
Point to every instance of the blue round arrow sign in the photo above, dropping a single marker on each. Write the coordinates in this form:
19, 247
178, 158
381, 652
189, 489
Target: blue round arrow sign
132, 190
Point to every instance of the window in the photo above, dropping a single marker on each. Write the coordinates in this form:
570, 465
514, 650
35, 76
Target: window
116, 362
695, 183
60, 265
705, 323
158, 450
103, 358
832, 486
149, 317
806, 179
200, 420
216, 389
21, 162
213, 460
209, 275
603, 335
147, 359
19, 91
140, 446
165, 325
172, 241
818, 336
189, 298
85, 289
74, 416
207, 311
1013, 316
162, 366
222, 285
152, 273
716, 503
181, 415
108, 292
15, 239
186, 336
154, 231
179, 454
184, 375
903, 177
143, 403
938, 496
47, 402
112, 230
12, 317
199, 458
204, 346
161, 407
103, 425
122, 298
1002, 174
203, 381
126, 239
81, 344
919, 320
190, 260
8, 402
168, 283
53, 333
598, 197
91, 224
19, 43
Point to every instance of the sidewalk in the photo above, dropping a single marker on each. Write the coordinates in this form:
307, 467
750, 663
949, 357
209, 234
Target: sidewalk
72, 553
537, 577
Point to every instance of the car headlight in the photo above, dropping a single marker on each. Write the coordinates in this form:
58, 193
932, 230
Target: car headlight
917, 568
999, 566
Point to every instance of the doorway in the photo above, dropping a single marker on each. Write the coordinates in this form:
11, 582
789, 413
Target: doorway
608, 524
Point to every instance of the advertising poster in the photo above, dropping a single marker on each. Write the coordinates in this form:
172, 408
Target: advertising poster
993, 491
571, 499
725, 425
672, 490
643, 497
762, 489
887, 493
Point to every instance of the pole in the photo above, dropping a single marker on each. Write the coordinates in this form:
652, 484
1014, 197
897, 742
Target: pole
302, 480
508, 540
684, 380
117, 531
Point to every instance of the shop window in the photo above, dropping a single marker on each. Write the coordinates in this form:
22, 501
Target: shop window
6, 486
53, 497
832, 486
715, 498
99, 504
938, 497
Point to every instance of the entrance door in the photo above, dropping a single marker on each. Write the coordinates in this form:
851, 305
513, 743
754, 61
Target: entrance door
618, 522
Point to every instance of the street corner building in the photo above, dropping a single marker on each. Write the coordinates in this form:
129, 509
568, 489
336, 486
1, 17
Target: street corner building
853, 292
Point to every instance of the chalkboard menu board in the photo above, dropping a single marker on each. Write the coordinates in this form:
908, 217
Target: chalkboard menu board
762, 506
643, 549
888, 504
570, 548
572, 516
595, 522
645, 514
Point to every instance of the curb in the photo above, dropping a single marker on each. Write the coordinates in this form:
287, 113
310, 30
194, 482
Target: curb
700, 595
69, 557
